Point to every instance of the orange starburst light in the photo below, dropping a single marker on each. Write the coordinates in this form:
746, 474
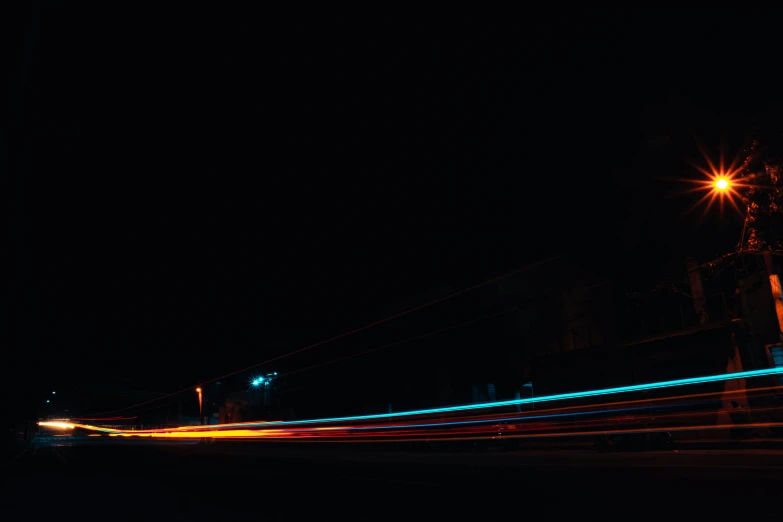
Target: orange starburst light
720, 185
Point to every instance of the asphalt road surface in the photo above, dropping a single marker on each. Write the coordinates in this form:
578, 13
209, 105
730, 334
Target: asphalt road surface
280, 483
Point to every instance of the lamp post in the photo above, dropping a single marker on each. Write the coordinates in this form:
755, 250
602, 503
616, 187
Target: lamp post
529, 385
266, 383
519, 395
723, 185
532, 395
200, 417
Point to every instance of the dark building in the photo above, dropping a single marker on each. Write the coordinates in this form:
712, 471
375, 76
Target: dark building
717, 323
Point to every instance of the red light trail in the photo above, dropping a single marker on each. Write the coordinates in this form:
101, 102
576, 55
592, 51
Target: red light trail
671, 413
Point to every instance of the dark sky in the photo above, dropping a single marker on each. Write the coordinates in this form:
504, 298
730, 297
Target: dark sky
194, 192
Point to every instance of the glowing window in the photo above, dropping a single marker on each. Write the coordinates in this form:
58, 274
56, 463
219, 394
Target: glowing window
777, 356
776, 353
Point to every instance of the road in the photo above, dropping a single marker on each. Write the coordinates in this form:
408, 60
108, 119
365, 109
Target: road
298, 482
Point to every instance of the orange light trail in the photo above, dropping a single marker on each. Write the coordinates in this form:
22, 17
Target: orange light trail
702, 427
639, 415
429, 419
57, 424
453, 428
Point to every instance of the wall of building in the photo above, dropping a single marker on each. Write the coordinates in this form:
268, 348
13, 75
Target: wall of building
681, 356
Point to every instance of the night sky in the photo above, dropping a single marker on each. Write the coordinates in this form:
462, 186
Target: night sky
196, 192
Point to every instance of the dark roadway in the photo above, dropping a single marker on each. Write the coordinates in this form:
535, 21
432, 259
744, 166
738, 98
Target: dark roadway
252, 482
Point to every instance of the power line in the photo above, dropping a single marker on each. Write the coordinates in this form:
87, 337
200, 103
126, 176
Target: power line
396, 343
340, 336
332, 361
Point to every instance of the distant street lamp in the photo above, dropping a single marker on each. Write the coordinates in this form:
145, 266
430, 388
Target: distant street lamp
201, 420
262, 380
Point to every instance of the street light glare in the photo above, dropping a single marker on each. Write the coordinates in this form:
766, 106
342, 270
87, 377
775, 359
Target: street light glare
198, 390
722, 184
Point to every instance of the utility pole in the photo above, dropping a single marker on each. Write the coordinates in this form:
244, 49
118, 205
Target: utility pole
777, 292
697, 290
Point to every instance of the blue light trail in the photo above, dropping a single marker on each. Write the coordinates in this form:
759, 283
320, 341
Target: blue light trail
546, 398
523, 418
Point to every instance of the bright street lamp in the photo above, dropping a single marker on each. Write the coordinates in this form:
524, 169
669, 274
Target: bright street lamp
722, 184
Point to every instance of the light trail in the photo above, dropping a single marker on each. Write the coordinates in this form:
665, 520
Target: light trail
485, 425
584, 433
228, 434
522, 418
450, 436
57, 424
412, 433
548, 398
491, 426
515, 402
579, 410
529, 422
104, 419
499, 417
